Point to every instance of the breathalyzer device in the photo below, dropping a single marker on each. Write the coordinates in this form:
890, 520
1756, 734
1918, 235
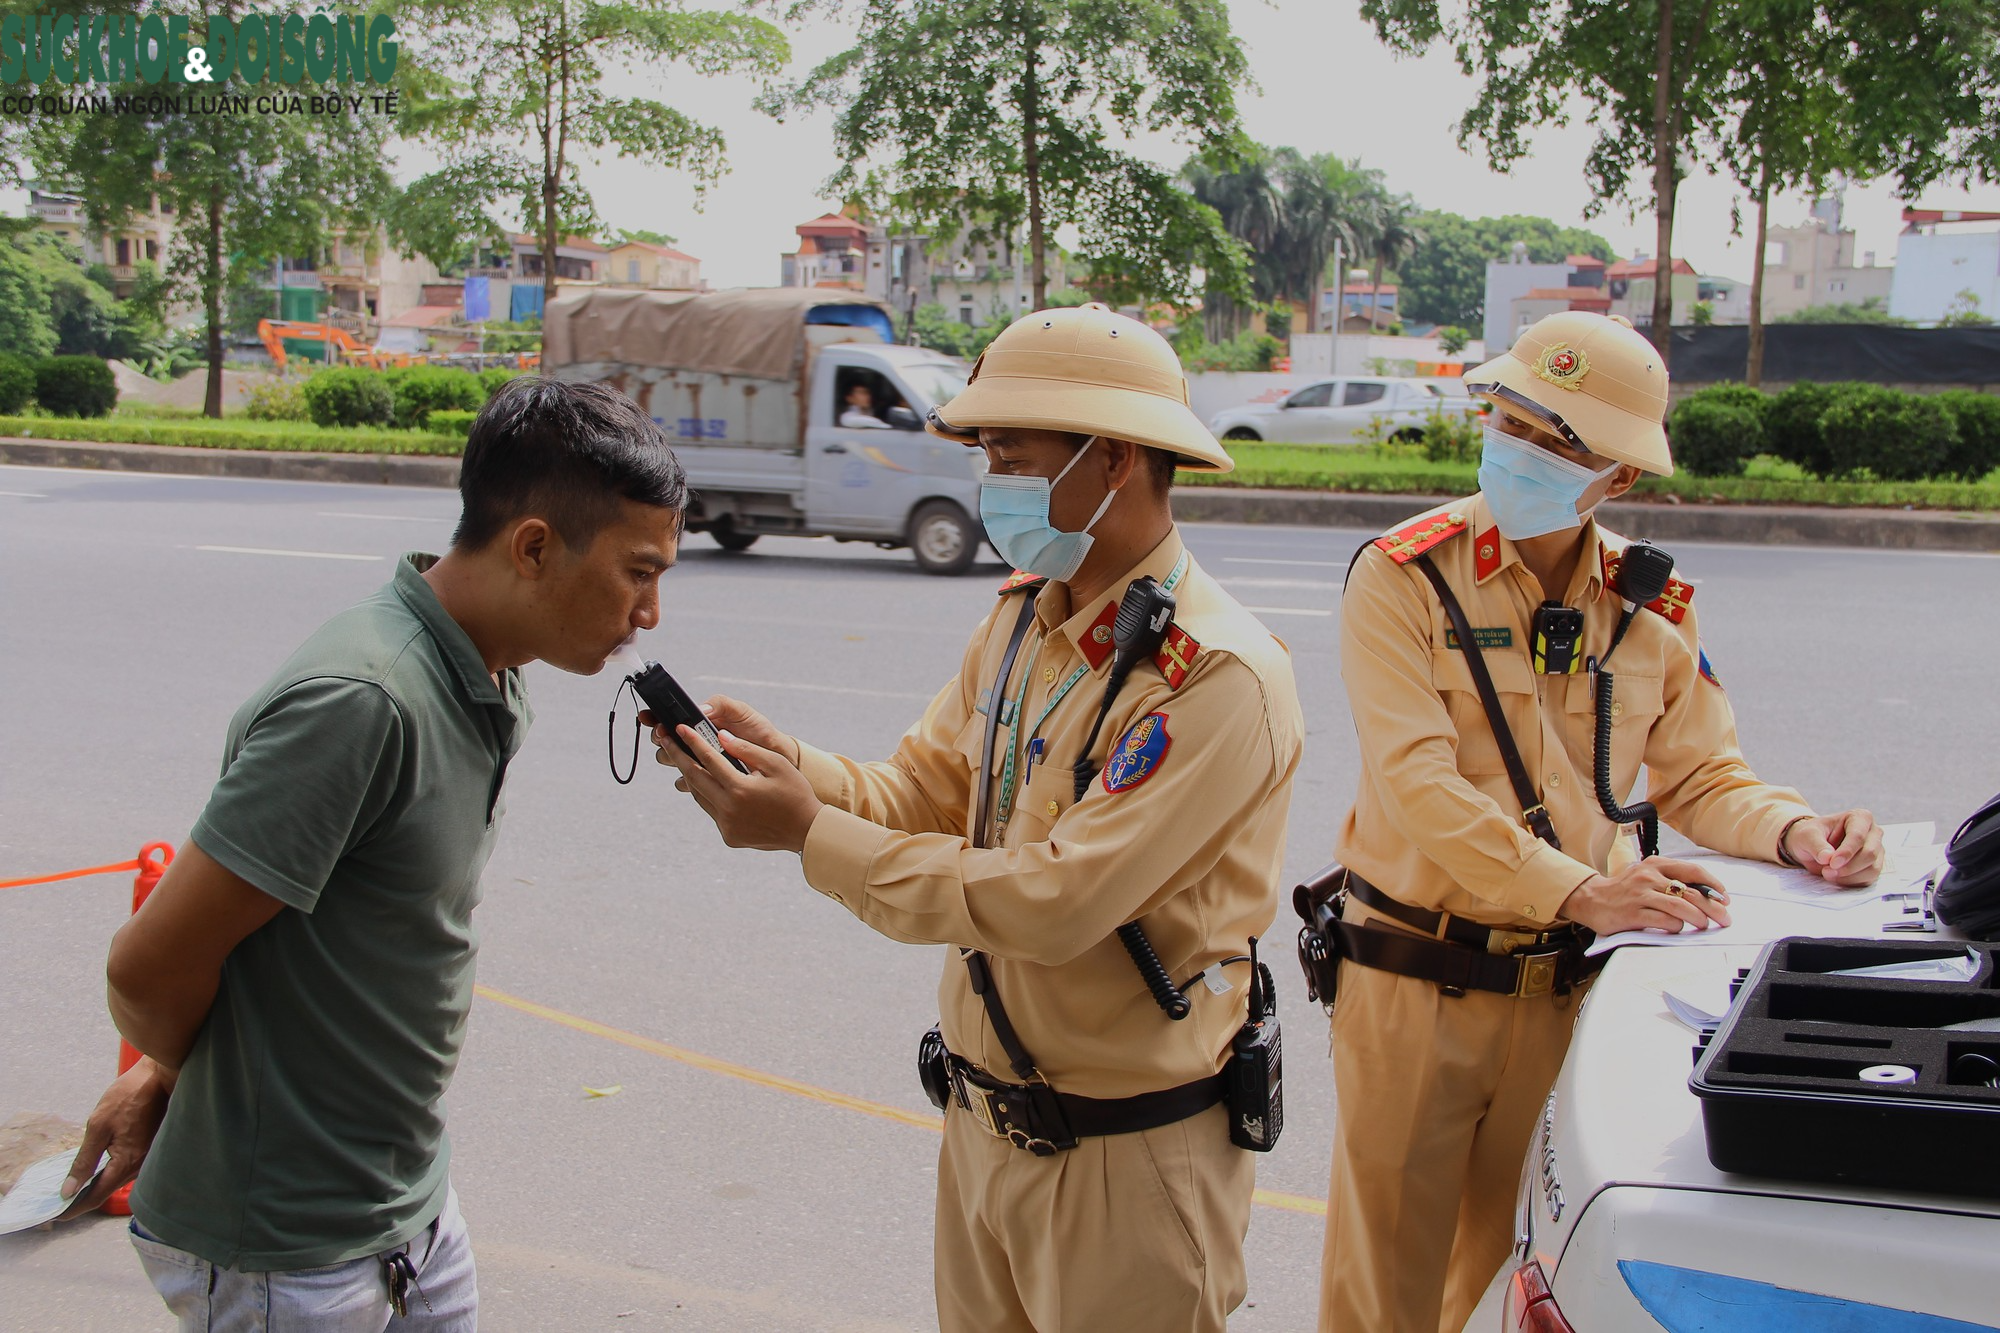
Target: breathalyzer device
672, 707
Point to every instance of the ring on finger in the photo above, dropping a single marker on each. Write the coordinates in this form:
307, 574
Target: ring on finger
1674, 888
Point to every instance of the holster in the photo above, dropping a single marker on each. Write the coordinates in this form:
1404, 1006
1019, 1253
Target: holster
1318, 902
934, 1067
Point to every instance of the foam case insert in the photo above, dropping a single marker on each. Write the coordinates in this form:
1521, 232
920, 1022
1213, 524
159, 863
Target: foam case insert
1780, 1080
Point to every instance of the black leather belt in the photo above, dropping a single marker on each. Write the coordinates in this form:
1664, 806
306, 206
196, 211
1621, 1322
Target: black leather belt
1519, 964
1456, 929
1036, 1118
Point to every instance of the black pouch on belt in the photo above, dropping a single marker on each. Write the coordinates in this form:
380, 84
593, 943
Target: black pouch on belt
1317, 901
934, 1067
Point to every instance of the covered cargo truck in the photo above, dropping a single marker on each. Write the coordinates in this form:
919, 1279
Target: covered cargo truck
752, 385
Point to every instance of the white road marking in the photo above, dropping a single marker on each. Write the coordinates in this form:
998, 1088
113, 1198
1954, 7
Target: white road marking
1285, 611
392, 518
816, 689
1332, 584
303, 555
25, 495
1266, 560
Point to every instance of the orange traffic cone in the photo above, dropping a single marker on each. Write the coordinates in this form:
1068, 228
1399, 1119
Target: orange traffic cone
150, 870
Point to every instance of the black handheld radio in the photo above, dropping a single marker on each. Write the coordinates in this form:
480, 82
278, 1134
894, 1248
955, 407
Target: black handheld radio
1254, 1076
1643, 575
1144, 614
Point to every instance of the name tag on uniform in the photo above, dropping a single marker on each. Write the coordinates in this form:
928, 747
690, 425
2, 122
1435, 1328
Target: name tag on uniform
1497, 636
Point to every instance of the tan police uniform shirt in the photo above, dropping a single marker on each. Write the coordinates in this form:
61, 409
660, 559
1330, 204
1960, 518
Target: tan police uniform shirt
1436, 823
1184, 832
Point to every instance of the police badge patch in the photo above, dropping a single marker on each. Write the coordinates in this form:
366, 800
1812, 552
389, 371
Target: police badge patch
1707, 671
1563, 366
1138, 755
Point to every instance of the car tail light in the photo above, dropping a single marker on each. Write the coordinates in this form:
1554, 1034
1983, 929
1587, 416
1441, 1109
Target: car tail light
1531, 1308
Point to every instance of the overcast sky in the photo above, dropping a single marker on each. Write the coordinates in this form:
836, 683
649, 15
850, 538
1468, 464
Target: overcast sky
1325, 85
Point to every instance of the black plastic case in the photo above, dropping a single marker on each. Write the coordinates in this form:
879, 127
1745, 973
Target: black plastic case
1780, 1081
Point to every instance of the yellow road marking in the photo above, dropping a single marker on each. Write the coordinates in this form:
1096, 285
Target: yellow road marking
1295, 1203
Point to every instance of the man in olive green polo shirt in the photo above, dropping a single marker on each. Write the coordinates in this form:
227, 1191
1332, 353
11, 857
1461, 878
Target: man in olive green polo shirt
300, 979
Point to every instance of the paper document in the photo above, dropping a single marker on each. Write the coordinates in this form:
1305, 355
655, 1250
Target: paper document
37, 1196
1760, 920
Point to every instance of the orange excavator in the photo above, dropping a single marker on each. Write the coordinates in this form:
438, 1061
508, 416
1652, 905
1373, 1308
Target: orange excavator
309, 341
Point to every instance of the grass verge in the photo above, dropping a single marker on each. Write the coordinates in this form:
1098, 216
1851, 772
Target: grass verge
1270, 466
232, 433
1767, 480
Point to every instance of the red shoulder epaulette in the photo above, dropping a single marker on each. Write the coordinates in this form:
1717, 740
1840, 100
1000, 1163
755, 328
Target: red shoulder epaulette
1021, 578
1407, 544
1673, 603
1176, 656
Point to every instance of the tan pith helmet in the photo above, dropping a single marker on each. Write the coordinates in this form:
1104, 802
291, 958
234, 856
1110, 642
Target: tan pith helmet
1601, 381
1089, 370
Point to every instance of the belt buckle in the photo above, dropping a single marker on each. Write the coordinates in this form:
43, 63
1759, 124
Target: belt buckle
1538, 975
976, 1100
1511, 941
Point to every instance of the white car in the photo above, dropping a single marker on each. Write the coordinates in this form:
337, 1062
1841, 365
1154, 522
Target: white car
1624, 1224
1339, 410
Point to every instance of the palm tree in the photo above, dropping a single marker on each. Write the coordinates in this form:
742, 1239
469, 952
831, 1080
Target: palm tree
1252, 205
1396, 237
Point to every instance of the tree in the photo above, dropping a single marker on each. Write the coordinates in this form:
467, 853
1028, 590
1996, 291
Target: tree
631, 234
1250, 198
1452, 339
1869, 311
513, 92
1394, 237
990, 114
1288, 210
1444, 280
1964, 313
245, 189
25, 326
1645, 70
1702, 314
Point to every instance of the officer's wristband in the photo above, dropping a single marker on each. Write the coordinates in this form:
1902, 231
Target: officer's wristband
1784, 853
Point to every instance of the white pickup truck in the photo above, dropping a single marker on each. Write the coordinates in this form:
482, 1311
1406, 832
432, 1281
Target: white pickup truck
752, 386
1623, 1224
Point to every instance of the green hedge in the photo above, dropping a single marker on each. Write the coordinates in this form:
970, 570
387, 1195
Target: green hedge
75, 386
274, 435
1839, 431
17, 382
422, 390
1978, 449
349, 396
452, 423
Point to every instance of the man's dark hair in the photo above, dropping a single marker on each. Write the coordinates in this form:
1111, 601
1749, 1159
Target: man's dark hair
563, 452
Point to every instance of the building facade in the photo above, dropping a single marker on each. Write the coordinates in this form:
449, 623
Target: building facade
143, 238
654, 267
1814, 264
1946, 263
975, 281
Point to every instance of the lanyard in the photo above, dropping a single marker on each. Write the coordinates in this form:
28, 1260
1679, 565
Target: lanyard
1056, 696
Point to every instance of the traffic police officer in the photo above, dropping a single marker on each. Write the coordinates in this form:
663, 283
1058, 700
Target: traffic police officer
1083, 416
1438, 1085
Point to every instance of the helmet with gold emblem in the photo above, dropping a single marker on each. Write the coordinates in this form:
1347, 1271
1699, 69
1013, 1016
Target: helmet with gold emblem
1592, 379
1088, 370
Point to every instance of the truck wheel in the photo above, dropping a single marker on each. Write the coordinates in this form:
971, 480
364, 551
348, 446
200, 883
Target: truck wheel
942, 538
1241, 433
729, 539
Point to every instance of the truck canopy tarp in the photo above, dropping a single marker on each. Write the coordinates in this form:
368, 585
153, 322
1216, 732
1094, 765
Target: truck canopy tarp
753, 331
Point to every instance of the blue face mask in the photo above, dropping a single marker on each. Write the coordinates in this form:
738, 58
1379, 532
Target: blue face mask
1531, 491
1016, 513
